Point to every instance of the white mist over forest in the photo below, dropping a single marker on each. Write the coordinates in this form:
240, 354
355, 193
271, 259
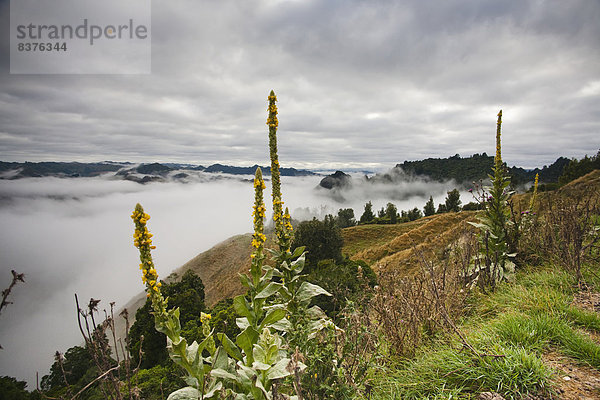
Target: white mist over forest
75, 236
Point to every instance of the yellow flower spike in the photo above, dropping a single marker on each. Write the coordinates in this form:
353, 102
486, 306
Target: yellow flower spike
498, 158
143, 242
534, 195
204, 317
282, 231
258, 238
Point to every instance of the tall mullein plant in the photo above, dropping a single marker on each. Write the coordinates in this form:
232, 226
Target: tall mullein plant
534, 194
283, 226
296, 293
190, 357
258, 351
494, 223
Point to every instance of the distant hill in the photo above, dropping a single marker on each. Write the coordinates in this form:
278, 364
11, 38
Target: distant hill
62, 169
461, 170
228, 169
141, 173
477, 167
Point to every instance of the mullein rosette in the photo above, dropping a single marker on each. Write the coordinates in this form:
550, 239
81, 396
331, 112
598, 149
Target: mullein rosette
202, 385
257, 359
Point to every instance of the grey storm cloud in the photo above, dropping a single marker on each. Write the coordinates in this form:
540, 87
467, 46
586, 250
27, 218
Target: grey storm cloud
359, 82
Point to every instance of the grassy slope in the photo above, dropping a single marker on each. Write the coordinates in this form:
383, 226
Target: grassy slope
528, 323
219, 267
393, 246
546, 330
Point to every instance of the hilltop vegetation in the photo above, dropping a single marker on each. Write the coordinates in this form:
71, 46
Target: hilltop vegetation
465, 170
478, 166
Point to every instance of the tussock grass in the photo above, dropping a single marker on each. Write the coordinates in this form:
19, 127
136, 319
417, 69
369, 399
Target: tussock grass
537, 333
450, 372
586, 319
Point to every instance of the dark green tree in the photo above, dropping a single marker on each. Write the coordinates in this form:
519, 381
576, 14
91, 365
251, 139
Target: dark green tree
223, 318
453, 201
76, 362
441, 209
414, 214
404, 216
577, 168
157, 382
344, 281
345, 218
322, 239
429, 208
367, 217
391, 212
381, 213
12, 389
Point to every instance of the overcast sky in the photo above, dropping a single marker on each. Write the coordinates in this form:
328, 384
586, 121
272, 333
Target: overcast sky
360, 83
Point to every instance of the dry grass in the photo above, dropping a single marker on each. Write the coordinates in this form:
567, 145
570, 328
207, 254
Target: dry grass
220, 266
363, 237
392, 246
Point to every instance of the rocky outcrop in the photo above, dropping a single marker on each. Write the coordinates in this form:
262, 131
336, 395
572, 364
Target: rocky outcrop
336, 180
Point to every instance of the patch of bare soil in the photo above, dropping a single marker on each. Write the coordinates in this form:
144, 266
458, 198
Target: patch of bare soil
587, 300
573, 381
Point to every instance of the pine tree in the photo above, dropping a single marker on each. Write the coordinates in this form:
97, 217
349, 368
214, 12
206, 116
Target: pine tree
392, 213
429, 208
367, 216
453, 201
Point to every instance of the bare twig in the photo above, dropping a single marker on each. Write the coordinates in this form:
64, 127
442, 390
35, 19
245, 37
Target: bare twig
15, 279
95, 380
441, 307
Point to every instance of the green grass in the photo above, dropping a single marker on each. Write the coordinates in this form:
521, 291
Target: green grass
583, 318
520, 321
446, 371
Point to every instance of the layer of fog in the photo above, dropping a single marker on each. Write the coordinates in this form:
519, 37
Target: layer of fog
75, 236
405, 192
